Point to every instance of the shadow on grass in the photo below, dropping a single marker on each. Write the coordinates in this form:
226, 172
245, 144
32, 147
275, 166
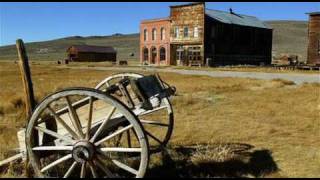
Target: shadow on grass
245, 162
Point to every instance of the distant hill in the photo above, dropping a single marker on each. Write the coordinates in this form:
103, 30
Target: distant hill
289, 37
56, 49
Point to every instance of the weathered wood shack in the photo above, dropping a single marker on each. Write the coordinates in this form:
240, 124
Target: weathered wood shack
86, 53
232, 39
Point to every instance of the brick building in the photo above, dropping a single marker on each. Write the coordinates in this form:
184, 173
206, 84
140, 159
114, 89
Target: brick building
194, 35
155, 41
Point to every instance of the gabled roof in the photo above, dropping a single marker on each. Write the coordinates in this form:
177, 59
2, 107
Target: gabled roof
314, 13
238, 19
95, 49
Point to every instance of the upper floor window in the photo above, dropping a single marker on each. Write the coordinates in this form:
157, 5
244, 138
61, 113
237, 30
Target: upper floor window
196, 32
154, 34
186, 32
176, 32
163, 33
145, 34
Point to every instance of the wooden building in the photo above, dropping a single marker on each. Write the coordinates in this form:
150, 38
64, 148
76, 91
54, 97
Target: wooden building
199, 36
314, 39
86, 53
232, 39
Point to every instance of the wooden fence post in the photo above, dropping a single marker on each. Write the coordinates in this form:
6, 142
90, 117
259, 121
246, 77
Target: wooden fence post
26, 78
28, 90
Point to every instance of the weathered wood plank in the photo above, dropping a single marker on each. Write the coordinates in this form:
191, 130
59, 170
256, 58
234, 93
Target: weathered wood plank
26, 78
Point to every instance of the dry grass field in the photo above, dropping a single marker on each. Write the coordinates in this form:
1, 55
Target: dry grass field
248, 69
224, 127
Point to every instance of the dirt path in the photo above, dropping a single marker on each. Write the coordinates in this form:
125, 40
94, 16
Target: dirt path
298, 78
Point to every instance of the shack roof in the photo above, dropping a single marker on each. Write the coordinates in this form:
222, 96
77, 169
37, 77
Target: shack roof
314, 13
234, 18
94, 49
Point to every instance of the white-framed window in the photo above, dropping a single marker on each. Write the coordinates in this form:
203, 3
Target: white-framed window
163, 33
185, 32
176, 32
154, 34
196, 32
145, 34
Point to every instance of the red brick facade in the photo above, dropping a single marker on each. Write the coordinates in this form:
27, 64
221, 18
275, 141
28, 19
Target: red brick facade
155, 42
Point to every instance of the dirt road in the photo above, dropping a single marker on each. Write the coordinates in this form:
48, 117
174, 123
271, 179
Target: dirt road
298, 78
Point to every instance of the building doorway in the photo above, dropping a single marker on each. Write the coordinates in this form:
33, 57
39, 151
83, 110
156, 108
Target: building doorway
145, 55
162, 54
180, 55
153, 55
194, 55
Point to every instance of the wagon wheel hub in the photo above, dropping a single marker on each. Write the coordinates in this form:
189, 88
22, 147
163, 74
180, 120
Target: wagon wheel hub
83, 151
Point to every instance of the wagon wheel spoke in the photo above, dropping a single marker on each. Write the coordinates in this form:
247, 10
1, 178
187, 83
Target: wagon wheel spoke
121, 165
83, 170
89, 118
118, 140
125, 167
103, 125
53, 148
114, 134
103, 167
74, 118
93, 170
107, 84
55, 163
62, 122
54, 134
121, 149
154, 137
129, 139
70, 170
135, 134
155, 123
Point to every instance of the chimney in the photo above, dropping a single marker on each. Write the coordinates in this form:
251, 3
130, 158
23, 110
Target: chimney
231, 11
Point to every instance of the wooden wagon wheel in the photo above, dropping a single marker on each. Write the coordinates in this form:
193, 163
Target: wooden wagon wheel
81, 145
158, 123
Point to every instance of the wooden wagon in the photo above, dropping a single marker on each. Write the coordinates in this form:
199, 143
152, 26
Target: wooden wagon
106, 131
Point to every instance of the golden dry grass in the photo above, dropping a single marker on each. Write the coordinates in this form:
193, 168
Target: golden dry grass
249, 69
277, 117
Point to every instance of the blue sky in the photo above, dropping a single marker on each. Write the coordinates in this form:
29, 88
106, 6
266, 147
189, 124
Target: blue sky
46, 21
